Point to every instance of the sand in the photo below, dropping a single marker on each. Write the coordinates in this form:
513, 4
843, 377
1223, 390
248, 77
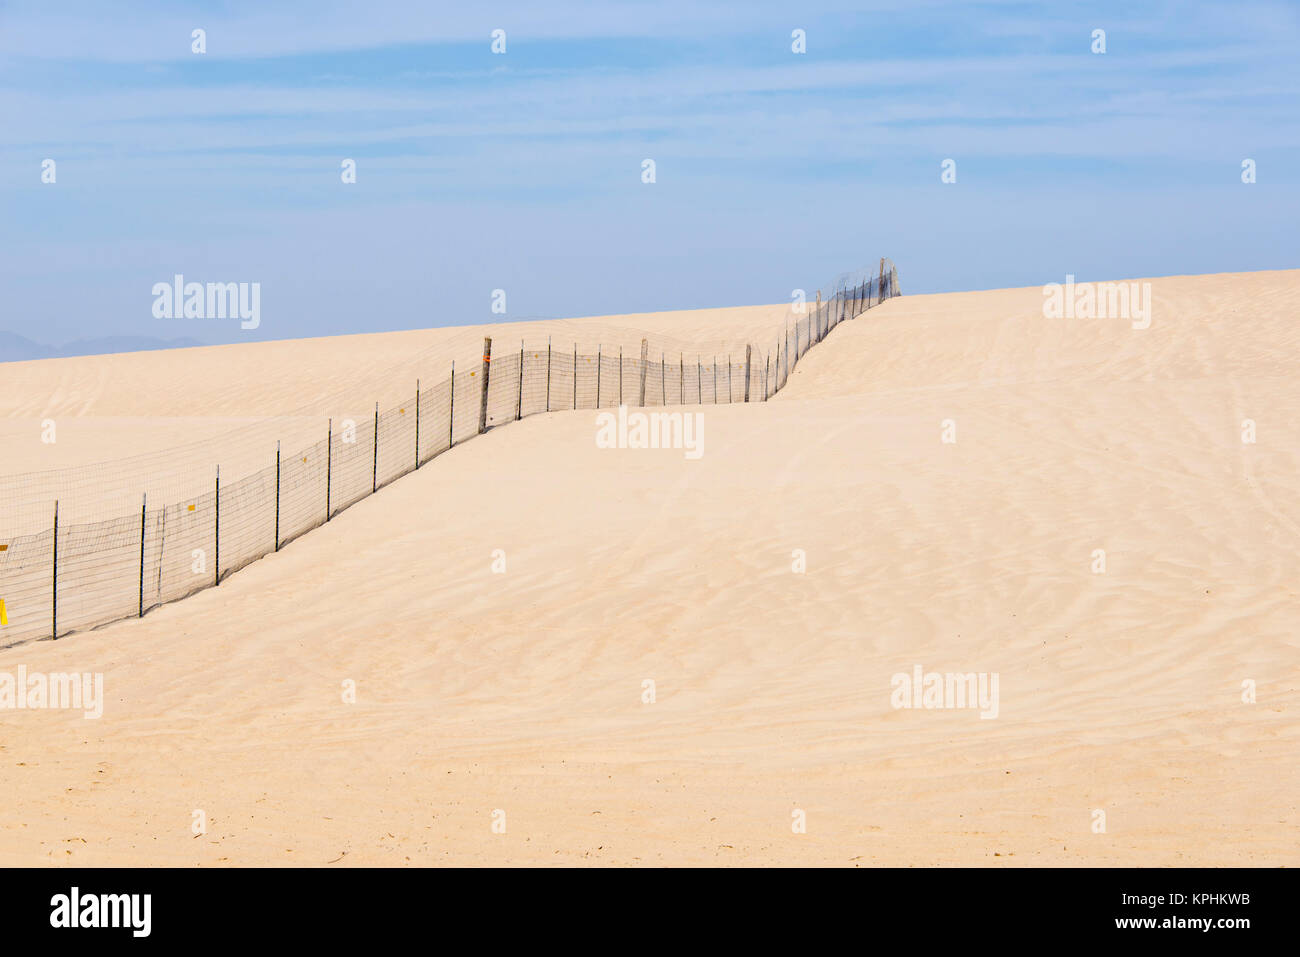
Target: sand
522, 691
160, 422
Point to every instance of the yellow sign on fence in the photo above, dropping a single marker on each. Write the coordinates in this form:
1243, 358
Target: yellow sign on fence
4, 619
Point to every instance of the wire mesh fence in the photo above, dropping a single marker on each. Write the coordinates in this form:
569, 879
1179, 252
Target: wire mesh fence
79, 575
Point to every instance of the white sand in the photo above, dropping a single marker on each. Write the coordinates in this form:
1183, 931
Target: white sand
521, 691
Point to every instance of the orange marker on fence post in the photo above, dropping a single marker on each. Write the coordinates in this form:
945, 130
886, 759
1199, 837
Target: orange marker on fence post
483, 401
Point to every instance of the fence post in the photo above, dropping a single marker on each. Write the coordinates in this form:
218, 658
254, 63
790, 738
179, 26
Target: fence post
748, 350
417, 423
519, 403
715, 380
620, 375
144, 504
767, 373
548, 373
482, 406
216, 534
575, 376
54, 589
374, 464
817, 316
645, 349
880, 297
451, 408
277, 496
329, 465
681, 378
663, 379
730, 390
699, 379
599, 347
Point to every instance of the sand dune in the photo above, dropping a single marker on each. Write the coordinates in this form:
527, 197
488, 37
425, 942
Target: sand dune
521, 691
161, 421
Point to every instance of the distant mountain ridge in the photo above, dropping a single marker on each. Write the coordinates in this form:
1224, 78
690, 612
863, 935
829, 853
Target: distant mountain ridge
16, 348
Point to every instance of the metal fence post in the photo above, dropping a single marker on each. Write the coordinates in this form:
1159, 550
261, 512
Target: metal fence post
216, 534
374, 462
483, 400
54, 609
645, 348
144, 505
277, 496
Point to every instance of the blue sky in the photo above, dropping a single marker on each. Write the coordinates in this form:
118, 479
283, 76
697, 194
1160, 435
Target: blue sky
522, 171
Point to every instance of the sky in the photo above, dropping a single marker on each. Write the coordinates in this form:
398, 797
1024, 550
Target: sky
522, 170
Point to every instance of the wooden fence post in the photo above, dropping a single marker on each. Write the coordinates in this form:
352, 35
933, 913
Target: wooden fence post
548, 373
519, 403
599, 348
748, 351
575, 376
417, 423
329, 465
451, 408
487, 363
